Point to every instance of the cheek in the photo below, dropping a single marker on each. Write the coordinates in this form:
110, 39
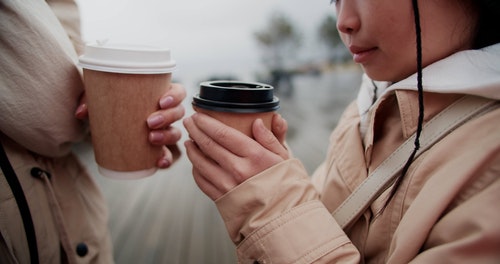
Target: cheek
447, 27
439, 42
399, 54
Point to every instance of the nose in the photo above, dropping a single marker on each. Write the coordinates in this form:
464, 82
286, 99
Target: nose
348, 20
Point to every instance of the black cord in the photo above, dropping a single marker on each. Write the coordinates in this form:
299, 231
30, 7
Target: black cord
375, 91
419, 75
22, 204
420, 103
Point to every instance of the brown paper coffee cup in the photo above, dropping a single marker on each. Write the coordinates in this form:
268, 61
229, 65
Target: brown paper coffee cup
237, 104
240, 121
122, 91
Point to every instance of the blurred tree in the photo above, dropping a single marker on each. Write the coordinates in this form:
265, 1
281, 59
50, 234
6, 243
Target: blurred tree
279, 43
329, 35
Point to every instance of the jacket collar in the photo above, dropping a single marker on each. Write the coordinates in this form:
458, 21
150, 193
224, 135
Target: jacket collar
470, 72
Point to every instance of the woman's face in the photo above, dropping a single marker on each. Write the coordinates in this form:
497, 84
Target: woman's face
381, 34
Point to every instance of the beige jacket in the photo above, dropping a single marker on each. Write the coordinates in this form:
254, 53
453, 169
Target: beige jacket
445, 211
40, 87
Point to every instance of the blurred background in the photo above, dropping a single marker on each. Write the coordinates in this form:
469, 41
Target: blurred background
291, 44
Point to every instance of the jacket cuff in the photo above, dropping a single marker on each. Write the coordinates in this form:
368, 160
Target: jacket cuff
278, 213
263, 197
304, 234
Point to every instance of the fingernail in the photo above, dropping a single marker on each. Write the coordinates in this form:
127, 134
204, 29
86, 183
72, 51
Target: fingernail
80, 109
164, 163
155, 121
166, 101
155, 136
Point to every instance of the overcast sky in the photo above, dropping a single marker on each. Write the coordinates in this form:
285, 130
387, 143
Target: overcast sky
205, 37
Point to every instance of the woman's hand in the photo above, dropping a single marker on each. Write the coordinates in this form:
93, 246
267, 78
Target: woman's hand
223, 157
160, 122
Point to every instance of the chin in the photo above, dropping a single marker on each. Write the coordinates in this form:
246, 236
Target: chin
386, 74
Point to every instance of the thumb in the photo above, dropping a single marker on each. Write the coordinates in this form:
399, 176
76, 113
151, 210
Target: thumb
279, 128
267, 139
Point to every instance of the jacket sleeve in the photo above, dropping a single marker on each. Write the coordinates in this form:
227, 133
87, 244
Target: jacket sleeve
40, 84
276, 217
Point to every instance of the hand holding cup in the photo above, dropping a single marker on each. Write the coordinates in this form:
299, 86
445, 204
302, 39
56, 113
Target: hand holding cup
235, 135
127, 88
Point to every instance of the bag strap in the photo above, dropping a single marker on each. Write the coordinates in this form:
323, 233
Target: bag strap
22, 203
385, 174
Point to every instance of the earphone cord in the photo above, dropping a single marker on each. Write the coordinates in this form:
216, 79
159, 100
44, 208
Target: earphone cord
420, 102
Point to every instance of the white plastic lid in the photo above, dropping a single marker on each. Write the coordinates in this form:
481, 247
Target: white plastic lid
125, 58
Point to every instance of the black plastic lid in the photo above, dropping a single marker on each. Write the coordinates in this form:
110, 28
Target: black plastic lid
236, 96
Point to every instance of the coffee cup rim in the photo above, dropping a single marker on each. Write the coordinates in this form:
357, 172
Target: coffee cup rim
127, 58
236, 96
231, 107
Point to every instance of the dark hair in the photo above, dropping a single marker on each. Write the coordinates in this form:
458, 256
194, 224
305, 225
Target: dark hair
487, 31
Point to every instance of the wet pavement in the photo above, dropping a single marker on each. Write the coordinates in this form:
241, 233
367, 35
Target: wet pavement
165, 218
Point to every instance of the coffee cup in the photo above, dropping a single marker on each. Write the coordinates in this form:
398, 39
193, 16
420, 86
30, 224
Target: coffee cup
123, 85
236, 103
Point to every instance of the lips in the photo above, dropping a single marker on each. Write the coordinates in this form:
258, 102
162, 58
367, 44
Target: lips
361, 54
